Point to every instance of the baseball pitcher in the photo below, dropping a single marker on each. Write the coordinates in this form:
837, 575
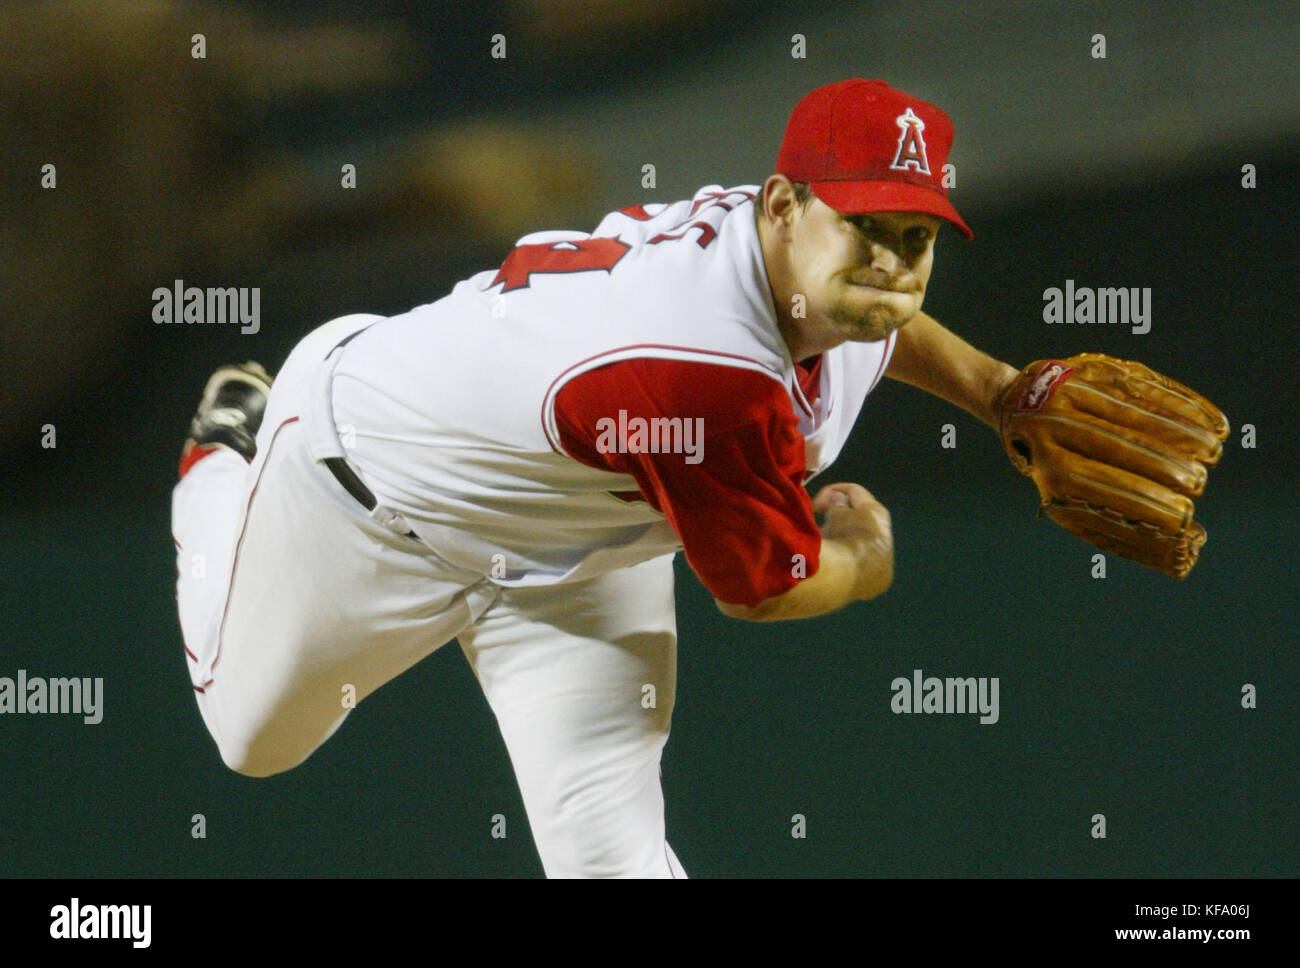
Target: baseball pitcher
515, 465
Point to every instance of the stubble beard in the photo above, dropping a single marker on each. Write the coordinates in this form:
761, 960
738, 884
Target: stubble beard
870, 327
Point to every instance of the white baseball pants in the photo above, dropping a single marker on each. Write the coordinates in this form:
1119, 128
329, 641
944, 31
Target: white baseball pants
295, 604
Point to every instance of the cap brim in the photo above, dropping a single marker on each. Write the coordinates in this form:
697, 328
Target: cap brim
855, 197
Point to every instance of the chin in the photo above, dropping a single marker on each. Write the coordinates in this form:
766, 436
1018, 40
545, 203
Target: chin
875, 325
869, 333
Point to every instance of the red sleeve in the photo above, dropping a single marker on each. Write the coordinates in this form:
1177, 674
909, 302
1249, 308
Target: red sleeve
737, 501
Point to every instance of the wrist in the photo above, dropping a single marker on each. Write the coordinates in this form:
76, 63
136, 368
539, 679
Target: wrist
1002, 376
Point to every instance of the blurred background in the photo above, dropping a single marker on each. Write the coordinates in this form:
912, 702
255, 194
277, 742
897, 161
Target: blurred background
1118, 696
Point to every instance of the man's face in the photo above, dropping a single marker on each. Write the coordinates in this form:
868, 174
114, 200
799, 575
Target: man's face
864, 274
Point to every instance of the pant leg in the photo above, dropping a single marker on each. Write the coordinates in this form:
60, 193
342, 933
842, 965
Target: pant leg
565, 669
314, 605
207, 506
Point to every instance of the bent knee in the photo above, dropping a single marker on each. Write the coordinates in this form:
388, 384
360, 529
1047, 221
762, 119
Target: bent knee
260, 739
245, 764
258, 756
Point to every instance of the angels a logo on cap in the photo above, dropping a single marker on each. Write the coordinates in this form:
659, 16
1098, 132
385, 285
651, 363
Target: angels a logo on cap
911, 146
865, 147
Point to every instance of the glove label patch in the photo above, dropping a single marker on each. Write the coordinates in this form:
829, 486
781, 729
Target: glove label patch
1041, 387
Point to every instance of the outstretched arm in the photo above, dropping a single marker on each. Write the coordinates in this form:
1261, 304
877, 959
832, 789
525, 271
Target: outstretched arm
931, 357
1116, 450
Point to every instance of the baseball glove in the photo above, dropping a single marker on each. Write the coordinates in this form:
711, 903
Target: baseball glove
1117, 452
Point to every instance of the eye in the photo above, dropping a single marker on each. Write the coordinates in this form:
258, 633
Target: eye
917, 238
863, 223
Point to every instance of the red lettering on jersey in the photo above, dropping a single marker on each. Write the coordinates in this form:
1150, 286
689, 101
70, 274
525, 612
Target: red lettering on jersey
582, 255
707, 235
715, 198
707, 232
585, 255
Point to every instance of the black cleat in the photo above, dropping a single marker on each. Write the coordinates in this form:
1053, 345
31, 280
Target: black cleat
231, 409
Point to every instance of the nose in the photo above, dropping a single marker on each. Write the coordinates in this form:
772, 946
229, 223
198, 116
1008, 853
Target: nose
885, 260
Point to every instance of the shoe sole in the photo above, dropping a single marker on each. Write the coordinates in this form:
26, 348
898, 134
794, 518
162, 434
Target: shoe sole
257, 378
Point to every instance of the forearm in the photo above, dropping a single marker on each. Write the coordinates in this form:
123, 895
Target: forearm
934, 359
847, 572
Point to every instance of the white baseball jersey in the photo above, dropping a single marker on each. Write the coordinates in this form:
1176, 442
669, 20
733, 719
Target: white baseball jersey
447, 411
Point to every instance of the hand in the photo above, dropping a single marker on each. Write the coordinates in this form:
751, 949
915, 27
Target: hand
852, 517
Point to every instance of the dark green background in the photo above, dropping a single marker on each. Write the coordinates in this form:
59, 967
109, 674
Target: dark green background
1118, 696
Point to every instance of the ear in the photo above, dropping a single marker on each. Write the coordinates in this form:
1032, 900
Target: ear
779, 207
777, 202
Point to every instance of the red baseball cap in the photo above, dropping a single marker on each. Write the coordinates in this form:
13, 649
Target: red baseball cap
865, 147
